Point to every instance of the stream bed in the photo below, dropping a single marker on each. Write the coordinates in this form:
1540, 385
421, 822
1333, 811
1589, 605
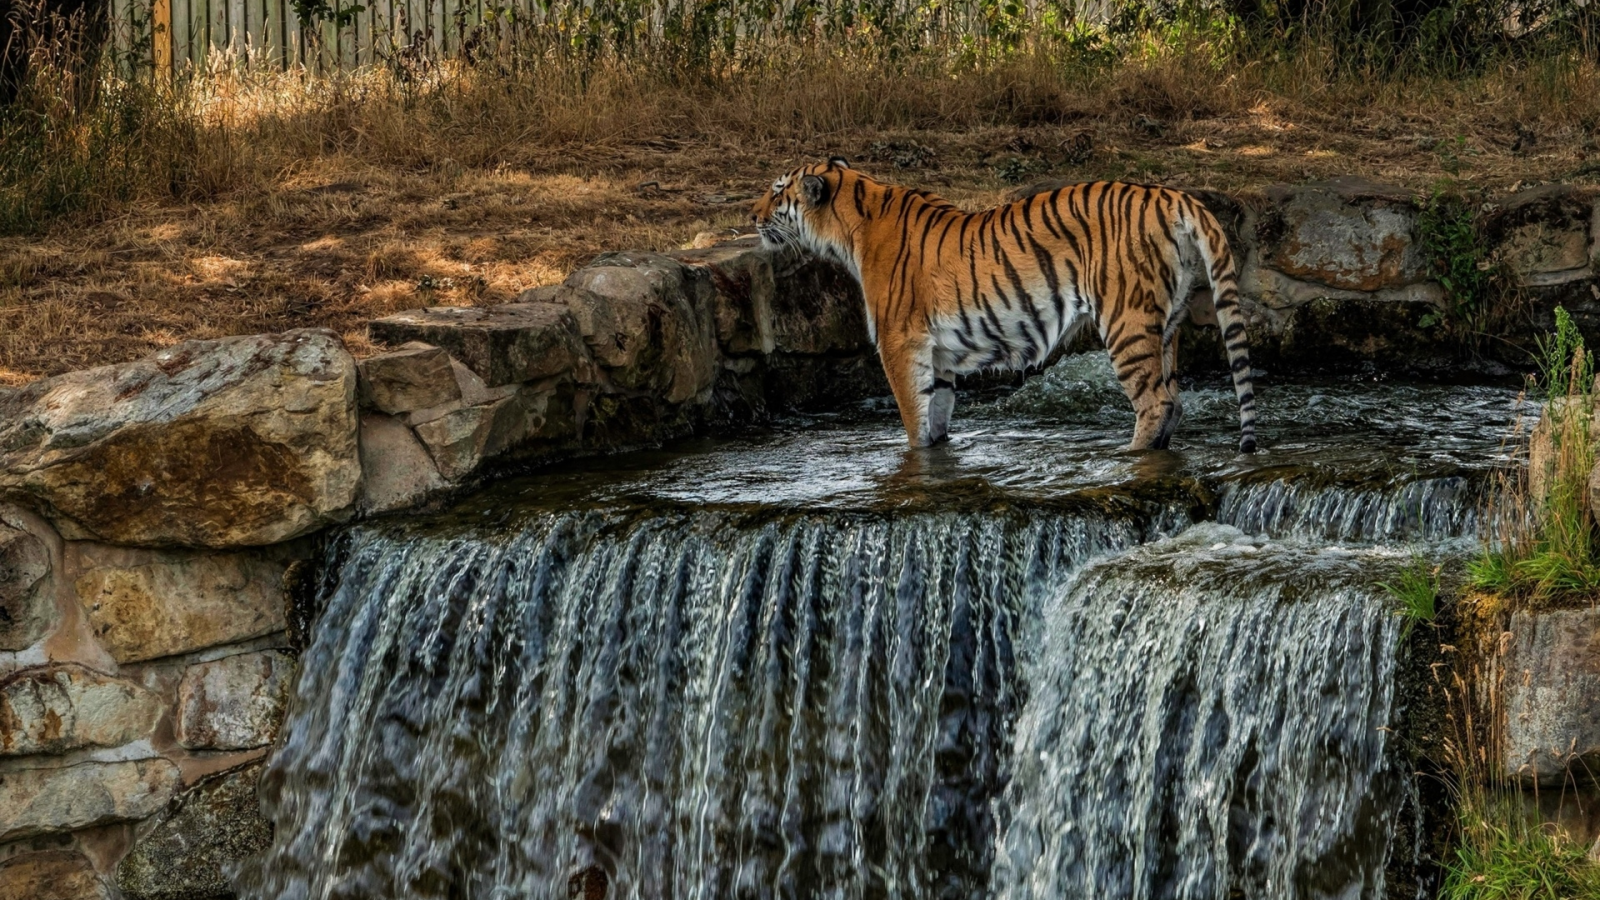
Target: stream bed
808, 662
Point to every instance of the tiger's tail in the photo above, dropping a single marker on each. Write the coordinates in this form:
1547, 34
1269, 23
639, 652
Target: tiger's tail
1212, 242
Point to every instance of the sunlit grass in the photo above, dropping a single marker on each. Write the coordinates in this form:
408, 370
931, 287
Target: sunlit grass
1546, 549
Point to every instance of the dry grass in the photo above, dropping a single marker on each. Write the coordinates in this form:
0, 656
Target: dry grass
1544, 551
332, 202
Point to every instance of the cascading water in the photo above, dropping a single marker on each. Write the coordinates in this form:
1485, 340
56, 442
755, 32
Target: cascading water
809, 664
1207, 719
706, 705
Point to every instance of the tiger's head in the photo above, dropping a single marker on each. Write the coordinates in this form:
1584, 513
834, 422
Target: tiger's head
798, 210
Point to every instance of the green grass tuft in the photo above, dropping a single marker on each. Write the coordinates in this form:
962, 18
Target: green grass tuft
1416, 587
1505, 856
1548, 551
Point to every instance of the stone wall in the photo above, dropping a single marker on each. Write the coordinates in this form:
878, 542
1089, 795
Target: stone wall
155, 516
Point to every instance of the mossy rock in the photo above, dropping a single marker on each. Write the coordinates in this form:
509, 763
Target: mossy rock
206, 831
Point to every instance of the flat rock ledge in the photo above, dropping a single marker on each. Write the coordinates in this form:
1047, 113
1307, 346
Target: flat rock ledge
230, 443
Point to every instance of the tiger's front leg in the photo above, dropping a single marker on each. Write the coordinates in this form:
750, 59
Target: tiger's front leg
924, 398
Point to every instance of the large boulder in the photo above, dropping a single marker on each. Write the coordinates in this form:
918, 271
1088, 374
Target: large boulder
58, 708
234, 703
57, 800
1551, 694
228, 443
191, 852
505, 344
145, 604
1547, 235
648, 320
398, 471
460, 441
1347, 233
817, 308
27, 609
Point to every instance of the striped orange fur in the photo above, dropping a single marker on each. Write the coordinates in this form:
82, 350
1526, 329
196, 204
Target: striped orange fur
951, 293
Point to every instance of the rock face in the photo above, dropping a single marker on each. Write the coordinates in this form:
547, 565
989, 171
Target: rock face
190, 854
51, 875
504, 344
1552, 694
648, 320
1347, 233
399, 471
65, 707
26, 608
234, 703
45, 801
416, 376
145, 605
230, 443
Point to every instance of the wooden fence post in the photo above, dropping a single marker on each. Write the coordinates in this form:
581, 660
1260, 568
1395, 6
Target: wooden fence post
161, 37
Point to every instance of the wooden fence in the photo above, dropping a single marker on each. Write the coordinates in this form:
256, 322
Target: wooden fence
167, 35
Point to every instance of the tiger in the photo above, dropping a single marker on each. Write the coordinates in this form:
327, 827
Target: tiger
951, 293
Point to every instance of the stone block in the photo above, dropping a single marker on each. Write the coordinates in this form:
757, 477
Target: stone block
51, 801
228, 443
192, 851
51, 875
148, 604
817, 308
1545, 234
416, 376
474, 392
460, 441
743, 283
397, 470
648, 320
234, 703
1347, 233
64, 707
27, 610
1551, 694
505, 344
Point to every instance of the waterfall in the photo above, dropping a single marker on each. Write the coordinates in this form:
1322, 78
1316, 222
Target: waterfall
1207, 719
1418, 509
724, 703
706, 704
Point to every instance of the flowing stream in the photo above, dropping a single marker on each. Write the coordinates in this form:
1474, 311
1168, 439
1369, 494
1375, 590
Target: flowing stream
809, 663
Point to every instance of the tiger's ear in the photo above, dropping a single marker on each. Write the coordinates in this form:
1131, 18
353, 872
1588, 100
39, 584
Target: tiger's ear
839, 161
815, 190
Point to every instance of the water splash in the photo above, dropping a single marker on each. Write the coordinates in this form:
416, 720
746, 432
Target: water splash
705, 705
1207, 719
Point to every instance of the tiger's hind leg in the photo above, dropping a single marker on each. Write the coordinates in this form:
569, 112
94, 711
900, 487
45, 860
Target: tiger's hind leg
1146, 376
1172, 417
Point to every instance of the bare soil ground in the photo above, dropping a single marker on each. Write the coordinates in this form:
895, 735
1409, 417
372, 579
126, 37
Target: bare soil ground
341, 241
